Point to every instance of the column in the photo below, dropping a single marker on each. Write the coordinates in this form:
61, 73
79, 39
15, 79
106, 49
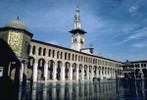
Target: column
55, 71
63, 73
45, 71
70, 72
82, 73
77, 73
21, 72
35, 69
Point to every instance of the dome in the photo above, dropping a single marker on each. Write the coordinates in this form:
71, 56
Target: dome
17, 24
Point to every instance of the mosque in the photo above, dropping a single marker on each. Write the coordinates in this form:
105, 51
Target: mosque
23, 57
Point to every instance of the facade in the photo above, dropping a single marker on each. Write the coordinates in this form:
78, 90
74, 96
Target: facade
29, 59
136, 69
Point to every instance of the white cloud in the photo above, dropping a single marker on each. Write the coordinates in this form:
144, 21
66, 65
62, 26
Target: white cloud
138, 45
133, 9
53, 42
138, 34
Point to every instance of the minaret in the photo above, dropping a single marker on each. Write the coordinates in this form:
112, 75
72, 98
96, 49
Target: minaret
77, 39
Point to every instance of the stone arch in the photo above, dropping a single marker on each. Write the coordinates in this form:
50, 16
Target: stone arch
50, 69
90, 72
59, 65
30, 67
40, 74
95, 72
137, 73
67, 67
74, 66
85, 71
80, 71
144, 73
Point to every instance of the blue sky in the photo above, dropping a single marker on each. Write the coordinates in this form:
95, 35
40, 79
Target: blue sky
117, 29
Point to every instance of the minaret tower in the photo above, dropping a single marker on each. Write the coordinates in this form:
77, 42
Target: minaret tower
77, 39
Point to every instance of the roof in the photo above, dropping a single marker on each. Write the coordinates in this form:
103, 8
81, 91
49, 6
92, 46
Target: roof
77, 30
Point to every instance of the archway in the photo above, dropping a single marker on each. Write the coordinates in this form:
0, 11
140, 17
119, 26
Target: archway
40, 74
144, 73
50, 69
137, 73
67, 66
85, 71
90, 72
59, 70
74, 66
30, 68
80, 71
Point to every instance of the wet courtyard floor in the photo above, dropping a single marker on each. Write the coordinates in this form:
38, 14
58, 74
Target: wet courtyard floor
108, 90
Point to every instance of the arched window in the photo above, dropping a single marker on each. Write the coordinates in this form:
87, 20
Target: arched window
53, 54
34, 49
81, 58
72, 57
44, 52
69, 56
75, 57
39, 51
57, 54
65, 56
49, 52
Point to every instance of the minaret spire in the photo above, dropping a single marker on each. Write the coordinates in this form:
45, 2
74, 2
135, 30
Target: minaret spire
77, 38
77, 24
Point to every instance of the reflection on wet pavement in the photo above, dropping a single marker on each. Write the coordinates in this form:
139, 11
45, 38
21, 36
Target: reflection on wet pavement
111, 90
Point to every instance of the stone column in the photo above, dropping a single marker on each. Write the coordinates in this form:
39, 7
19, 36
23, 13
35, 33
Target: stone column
35, 69
45, 71
70, 72
21, 72
55, 71
77, 73
63, 72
